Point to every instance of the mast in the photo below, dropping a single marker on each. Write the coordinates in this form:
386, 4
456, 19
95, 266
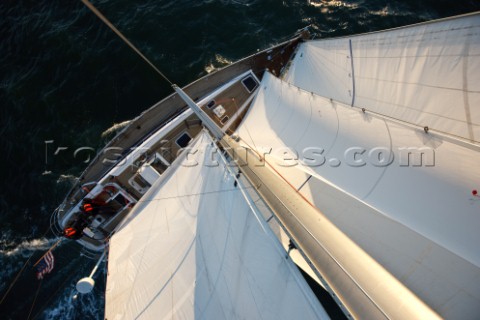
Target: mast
198, 248
364, 287
214, 129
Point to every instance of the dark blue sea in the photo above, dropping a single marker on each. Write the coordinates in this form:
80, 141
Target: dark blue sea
65, 79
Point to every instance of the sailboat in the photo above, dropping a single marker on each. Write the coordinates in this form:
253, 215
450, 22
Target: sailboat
361, 152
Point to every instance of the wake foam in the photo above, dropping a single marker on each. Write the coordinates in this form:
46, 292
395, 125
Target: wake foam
115, 128
67, 178
72, 305
25, 247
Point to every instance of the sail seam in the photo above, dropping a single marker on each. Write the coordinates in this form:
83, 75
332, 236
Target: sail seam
353, 72
466, 102
454, 138
420, 84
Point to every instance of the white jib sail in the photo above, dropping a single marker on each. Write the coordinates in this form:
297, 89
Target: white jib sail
426, 74
415, 216
195, 250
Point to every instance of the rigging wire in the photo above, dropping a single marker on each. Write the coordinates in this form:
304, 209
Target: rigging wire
47, 302
51, 248
12, 284
176, 197
35, 299
245, 125
43, 307
16, 278
279, 174
114, 29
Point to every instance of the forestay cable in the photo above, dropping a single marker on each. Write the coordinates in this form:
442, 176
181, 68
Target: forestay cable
114, 29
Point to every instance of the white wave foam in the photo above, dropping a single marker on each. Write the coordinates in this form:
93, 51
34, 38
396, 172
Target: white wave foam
243, 2
116, 127
26, 246
71, 303
222, 60
332, 3
388, 11
219, 63
67, 178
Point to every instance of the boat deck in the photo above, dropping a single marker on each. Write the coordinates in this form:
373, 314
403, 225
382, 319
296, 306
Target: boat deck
274, 59
225, 106
230, 101
167, 148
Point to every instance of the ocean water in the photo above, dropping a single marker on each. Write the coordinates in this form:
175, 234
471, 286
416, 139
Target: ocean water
66, 79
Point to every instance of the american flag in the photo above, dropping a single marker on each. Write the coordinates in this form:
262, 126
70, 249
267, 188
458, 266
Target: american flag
45, 265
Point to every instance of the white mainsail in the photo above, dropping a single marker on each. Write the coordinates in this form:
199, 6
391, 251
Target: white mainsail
195, 248
420, 221
426, 74
381, 132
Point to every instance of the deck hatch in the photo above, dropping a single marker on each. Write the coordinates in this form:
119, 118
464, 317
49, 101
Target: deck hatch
211, 104
183, 140
250, 83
